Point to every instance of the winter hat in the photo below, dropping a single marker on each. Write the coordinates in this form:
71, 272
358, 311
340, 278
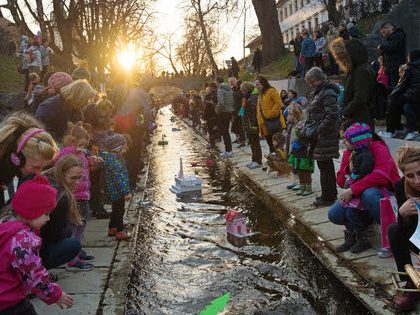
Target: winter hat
115, 142
359, 135
81, 73
57, 81
34, 198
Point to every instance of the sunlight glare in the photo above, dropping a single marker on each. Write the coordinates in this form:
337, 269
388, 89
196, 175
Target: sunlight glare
127, 58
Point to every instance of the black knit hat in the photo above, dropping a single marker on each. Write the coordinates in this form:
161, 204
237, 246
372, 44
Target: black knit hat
115, 142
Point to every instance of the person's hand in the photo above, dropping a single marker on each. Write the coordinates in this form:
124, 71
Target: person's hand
408, 208
65, 300
127, 197
347, 195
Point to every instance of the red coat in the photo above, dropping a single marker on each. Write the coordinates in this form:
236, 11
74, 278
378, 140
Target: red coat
384, 175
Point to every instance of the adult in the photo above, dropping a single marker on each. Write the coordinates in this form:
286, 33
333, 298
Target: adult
332, 34
25, 149
249, 113
224, 110
58, 247
369, 189
408, 93
34, 56
297, 48
407, 191
55, 112
359, 86
320, 43
234, 67
45, 57
209, 113
284, 96
308, 52
23, 59
237, 127
257, 60
393, 50
321, 132
269, 114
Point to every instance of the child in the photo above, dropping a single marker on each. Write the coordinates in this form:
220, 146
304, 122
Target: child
302, 164
75, 142
21, 270
295, 115
116, 182
277, 161
34, 87
382, 77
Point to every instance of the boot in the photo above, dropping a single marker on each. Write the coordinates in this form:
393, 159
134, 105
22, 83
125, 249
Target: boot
349, 241
302, 190
308, 190
362, 243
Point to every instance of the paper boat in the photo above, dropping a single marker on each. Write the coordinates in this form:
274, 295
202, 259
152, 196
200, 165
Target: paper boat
185, 184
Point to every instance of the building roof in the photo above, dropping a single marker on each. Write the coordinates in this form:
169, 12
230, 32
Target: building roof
280, 2
255, 42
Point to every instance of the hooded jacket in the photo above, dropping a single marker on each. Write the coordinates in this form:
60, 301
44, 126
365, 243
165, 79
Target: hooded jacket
409, 85
21, 270
324, 110
360, 82
225, 99
394, 50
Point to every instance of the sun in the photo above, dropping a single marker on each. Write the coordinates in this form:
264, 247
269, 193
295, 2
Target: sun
127, 58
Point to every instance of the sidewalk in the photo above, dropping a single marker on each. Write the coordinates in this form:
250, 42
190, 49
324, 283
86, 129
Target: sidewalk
366, 275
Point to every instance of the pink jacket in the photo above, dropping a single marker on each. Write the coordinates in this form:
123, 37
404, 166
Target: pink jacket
82, 191
384, 175
382, 77
21, 271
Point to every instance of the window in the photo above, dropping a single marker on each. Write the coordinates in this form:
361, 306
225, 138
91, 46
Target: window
308, 1
316, 22
281, 15
290, 9
285, 12
301, 3
309, 25
296, 5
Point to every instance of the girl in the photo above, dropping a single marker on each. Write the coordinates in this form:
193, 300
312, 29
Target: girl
116, 182
21, 270
278, 161
295, 115
302, 163
58, 247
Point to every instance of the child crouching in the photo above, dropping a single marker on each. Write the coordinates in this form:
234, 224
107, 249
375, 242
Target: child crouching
277, 161
21, 271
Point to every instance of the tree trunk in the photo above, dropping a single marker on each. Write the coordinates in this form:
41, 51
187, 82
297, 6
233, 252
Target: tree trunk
333, 14
272, 39
41, 17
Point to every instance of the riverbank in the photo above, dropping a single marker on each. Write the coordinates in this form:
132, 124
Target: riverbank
365, 274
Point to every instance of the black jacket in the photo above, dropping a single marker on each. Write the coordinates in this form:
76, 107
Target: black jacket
394, 50
324, 111
250, 121
409, 85
210, 102
297, 45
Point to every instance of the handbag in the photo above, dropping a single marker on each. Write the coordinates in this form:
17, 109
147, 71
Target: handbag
310, 131
273, 125
389, 214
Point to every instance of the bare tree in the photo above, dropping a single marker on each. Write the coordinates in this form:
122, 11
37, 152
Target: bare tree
331, 7
165, 48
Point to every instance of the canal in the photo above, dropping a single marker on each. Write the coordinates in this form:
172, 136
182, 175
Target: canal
183, 260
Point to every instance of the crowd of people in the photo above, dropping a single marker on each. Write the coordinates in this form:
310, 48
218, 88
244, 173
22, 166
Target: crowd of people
71, 151
301, 132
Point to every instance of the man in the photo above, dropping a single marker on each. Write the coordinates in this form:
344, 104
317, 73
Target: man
308, 52
297, 48
45, 58
331, 35
393, 50
237, 127
257, 61
234, 67
224, 110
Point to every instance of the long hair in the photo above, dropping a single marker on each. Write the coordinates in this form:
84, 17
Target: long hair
77, 132
264, 82
58, 173
78, 93
407, 155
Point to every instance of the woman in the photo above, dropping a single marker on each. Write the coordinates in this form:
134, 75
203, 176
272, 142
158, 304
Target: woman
25, 149
351, 55
321, 132
250, 122
369, 189
58, 247
209, 113
407, 192
55, 112
269, 115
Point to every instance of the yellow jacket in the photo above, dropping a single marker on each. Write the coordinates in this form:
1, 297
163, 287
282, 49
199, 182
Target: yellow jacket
270, 104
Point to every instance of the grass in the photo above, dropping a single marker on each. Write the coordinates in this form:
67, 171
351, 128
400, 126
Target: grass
10, 80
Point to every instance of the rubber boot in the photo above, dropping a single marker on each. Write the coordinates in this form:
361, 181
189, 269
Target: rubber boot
362, 243
349, 241
308, 190
302, 190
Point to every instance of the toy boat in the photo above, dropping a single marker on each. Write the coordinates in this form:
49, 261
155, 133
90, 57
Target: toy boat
185, 184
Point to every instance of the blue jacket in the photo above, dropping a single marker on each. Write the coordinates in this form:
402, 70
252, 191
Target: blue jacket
308, 47
116, 176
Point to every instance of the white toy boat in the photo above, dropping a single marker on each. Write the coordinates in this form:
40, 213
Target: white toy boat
185, 184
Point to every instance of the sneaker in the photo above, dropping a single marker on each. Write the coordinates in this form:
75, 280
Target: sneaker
384, 253
296, 187
385, 134
254, 165
122, 236
85, 257
240, 145
290, 186
400, 134
112, 231
411, 136
79, 265
226, 154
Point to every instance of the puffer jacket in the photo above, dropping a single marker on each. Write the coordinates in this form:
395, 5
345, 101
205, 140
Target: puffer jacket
269, 107
359, 91
324, 109
409, 85
394, 50
116, 175
225, 99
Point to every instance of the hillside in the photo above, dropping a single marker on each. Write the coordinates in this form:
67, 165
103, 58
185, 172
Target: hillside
10, 79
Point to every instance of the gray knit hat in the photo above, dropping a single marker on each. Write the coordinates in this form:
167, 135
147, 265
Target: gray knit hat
81, 73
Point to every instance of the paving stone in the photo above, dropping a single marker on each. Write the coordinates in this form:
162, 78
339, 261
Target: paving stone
84, 304
314, 216
328, 231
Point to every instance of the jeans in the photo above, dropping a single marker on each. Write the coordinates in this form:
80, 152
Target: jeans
254, 141
223, 126
353, 219
328, 180
309, 63
411, 112
117, 214
59, 253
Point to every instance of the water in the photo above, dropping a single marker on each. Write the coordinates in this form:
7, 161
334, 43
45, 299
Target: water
183, 260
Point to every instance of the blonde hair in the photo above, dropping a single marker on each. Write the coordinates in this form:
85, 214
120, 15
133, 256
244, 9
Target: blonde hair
78, 93
296, 111
40, 144
58, 172
247, 87
407, 155
76, 132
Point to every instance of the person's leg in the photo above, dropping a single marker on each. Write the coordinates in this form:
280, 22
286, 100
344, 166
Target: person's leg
337, 214
370, 198
328, 180
241, 132
224, 122
269, 139
411, 111
117, 215
60, 252
26, 73
393, 116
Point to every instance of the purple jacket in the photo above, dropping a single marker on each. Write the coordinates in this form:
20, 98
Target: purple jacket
82, 191
21, 271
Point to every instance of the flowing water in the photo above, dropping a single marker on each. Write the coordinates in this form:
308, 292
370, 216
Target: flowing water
183, 260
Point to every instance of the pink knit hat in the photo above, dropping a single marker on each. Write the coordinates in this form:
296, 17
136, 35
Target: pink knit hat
57, 81
34, 198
